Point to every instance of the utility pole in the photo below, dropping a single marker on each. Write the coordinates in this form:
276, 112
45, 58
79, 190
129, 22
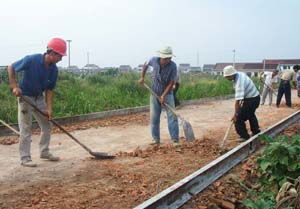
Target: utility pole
233, 57
197, 59
88, 58
69, 53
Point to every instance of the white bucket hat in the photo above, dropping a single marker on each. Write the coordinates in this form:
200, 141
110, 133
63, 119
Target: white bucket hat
166, 52
228, 71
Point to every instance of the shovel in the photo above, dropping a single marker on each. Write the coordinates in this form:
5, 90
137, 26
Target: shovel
97, 155
226, 135
187, 127
268, 86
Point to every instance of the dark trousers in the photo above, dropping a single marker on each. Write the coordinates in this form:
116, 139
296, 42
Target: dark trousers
247, 112
284, 88
174, 92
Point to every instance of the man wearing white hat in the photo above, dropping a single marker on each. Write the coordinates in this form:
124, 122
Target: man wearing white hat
164, 75
247, 100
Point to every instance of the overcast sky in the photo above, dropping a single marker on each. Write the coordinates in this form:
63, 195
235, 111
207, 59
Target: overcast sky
116, 32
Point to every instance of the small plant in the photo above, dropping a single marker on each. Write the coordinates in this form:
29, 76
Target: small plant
281, 159
264, 200
279, 162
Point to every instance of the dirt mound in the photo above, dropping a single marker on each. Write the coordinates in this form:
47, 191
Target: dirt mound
9, 140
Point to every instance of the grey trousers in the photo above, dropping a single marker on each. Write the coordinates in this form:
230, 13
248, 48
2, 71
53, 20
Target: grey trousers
25, 112
267, 91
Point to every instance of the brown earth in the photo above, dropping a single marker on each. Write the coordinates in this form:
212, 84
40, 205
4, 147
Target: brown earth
230, 190
139, 171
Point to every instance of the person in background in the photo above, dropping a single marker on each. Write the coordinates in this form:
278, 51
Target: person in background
269, 86
285, 87
298, 80
36, 86
246, 102
163, 79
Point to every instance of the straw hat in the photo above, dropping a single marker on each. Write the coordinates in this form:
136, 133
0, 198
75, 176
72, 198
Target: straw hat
166, 52
229, 70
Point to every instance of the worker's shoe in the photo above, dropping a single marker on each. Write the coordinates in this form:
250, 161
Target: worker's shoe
176, 143
241, 139
155, 143
28, 163
49, 157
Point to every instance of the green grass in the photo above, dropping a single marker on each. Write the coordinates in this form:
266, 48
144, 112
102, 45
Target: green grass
94, 93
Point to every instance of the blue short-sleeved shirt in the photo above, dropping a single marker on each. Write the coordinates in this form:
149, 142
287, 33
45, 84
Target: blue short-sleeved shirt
36, 78
161, 78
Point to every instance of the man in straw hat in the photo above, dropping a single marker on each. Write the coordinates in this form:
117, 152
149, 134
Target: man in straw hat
246, 102
164, 75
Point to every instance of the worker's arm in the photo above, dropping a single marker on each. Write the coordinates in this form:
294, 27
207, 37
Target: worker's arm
237, 107
295, 84
12, 81
294, 80
166, 91
142, 79
49, 101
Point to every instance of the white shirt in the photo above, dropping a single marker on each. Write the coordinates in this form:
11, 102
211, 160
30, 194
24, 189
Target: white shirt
244, 87
269, 80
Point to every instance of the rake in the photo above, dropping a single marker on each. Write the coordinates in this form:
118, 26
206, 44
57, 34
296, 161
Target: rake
187, 127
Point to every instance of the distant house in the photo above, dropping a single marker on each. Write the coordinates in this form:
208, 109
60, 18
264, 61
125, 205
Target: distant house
184, 67
72, 68
208, 68
139, 68
283, 64
252, 69
91, 68
125, 68
195, 69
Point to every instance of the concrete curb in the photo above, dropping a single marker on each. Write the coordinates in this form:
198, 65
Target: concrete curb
4, 131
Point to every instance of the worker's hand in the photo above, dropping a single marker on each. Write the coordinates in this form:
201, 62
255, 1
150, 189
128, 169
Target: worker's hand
17, 91
48, 112
233, 119
162, 99
141, 81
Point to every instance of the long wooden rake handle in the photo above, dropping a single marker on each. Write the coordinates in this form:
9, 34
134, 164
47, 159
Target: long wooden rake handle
55, 123
226, 135
11, 128
167, 105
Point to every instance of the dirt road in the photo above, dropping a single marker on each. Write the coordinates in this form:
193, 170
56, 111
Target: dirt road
209, 121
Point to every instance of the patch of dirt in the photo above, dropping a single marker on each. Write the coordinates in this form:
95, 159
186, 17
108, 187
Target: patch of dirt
9, 140
137, 118
122, 183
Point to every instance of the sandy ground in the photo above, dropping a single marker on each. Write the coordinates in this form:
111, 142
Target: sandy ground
208, 121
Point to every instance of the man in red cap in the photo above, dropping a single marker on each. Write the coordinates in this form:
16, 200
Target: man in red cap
36, 85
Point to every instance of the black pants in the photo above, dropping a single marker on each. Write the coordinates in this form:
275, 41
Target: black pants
247, 112
284, 88
174, 92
